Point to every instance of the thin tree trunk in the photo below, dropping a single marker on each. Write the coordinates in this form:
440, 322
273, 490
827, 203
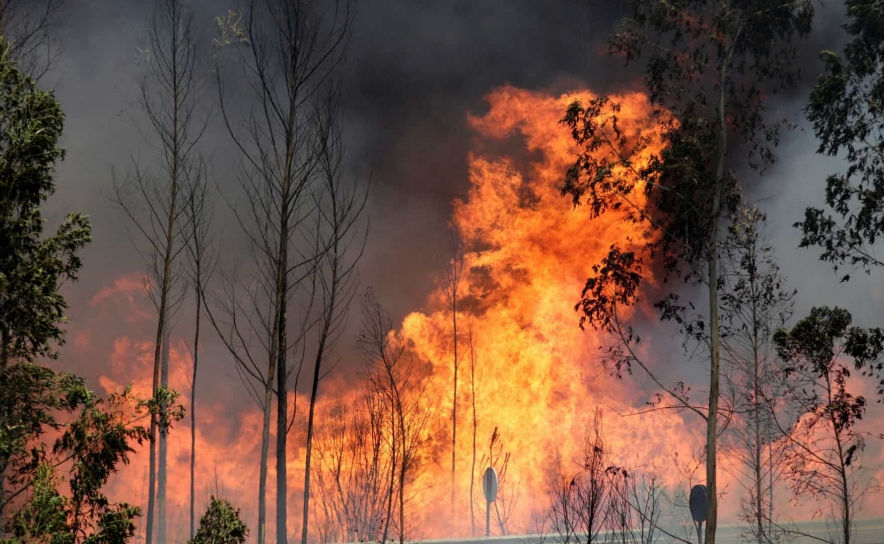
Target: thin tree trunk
268, 400
265, 447
152, 484
282, 428
714, 331
328, 308
393, 467
454, 405
842, 471
308, 455
163, 448
196, 348
475, 425
759, 506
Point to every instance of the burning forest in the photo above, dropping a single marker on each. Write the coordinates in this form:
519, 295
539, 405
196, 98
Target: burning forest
564, 309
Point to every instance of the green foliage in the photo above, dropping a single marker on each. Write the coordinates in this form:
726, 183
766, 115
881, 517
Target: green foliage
95, 443
220, 525
847, 111
44, 518
708, 66
32, 399
824, 454
91, 435
31, 268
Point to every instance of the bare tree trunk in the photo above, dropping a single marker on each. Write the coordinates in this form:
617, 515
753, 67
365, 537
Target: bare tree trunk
202, 262
714, 325
168, 96
756, 414
282, 399
196, 344
265, 447
163, 448
475, 426
450, 275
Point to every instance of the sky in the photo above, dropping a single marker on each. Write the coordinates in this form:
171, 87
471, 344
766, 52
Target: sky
416, 70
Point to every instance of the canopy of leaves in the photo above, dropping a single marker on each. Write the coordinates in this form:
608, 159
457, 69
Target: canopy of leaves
31, 268
33, 399
812, 350
220, 525
708, 66
847, 111
95, 443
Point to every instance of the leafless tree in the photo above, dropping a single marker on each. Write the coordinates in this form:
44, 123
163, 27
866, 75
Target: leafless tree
399, 377
351, 469
340, 242
29, 26
450, 271
287, 51
169, 96
202, 259
635, 506
471, 344
754, 304
579, 500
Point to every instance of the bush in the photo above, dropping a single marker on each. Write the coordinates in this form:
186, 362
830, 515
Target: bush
220, 525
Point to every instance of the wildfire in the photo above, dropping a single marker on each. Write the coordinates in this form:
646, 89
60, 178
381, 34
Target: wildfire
537, 378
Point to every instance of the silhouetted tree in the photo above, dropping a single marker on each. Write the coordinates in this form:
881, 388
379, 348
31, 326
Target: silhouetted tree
823, 458
400, 378
287, 52
340, 241
155, 199
449, 276
202, 259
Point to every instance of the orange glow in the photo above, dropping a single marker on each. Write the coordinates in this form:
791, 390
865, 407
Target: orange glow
537, 374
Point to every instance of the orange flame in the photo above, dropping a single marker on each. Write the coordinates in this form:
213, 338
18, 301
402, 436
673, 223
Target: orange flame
537, 375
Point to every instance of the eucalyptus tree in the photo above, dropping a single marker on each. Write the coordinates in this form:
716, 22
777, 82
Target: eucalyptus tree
755, 303
709, 64
847, 111
824, 453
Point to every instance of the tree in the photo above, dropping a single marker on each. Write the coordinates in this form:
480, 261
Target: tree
754, 305
579, 509
202, 260
169, 97
32, 268
471, 345
710, 63
352, 468
28, 27
288, 50
340, 242
449, 276
634, 505
400, 378
823, 459
847, 111
220, 525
